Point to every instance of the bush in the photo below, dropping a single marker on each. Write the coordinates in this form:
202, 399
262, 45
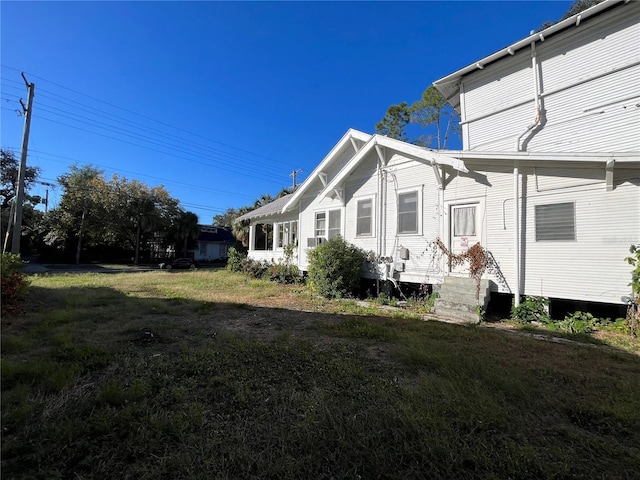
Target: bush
235, 260
14, 282
532, 309
579, 322
334, 268
278, 272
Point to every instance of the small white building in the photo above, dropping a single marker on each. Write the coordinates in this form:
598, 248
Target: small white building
548, 180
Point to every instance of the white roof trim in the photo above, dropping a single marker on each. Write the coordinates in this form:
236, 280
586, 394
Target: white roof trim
619, 157
406, 149
338, 147
446, 84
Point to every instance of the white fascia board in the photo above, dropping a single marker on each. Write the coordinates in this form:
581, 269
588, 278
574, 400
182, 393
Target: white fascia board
449, 86
421, 153
337, 148
398, 147
619, 157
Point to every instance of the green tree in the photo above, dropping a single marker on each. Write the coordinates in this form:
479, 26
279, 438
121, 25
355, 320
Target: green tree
81, 215
431, 114
576, 7
9, 166
432, 110
395, 121
138, 213
185, 230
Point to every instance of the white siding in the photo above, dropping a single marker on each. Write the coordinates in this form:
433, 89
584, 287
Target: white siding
589, 85
592, 267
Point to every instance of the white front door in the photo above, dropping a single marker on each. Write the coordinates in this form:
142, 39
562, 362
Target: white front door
464, 231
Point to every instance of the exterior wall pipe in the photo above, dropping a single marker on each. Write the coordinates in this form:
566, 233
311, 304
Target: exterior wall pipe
536, 97
516, 180
516, 233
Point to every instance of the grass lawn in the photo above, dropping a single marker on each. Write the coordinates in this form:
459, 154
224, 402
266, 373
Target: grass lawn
207, 374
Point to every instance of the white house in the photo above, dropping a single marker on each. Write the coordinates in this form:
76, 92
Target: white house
548, 180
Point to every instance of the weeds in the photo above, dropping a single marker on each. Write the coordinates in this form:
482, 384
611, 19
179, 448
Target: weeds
114, 389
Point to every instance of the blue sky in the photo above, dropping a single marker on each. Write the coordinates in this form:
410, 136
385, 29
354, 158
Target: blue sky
221, 101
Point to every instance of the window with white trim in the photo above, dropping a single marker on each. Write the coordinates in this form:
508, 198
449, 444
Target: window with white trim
464, 221
556, 222
287, 233
263, 236
364, 217
408, 212
328, 224
321, 224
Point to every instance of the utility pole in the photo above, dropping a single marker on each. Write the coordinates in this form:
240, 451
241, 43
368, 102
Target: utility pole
17, 220
46, 198
294, 174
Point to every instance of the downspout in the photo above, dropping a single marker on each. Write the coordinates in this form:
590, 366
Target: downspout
516, 174
378, 224
536, 96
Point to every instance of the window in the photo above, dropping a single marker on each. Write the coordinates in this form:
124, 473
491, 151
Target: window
203, 249
332, 227
334, 224
408, 212
321, 224
364, 218
555, 221
464, 221
264, 236
287, 233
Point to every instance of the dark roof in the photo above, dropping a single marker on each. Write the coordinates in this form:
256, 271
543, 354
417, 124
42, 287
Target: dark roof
268, 209
221, 234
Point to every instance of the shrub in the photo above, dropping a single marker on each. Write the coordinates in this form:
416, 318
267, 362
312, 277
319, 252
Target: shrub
633, 316
532, 309
281, 272
235, 260
579, 322
14, 282
334, 268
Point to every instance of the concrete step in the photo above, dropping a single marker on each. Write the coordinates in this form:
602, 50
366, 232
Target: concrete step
459, 312
464, 290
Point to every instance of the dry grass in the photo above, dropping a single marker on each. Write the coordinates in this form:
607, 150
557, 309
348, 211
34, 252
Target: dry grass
210, 375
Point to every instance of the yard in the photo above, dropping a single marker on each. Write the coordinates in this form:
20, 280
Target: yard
210, 375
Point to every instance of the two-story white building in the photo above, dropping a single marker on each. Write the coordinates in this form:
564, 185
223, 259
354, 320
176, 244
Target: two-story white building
548, 180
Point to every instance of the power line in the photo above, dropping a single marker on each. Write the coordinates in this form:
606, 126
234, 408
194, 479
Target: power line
192, 186
128, 133
134, 135
149, 148
143, 116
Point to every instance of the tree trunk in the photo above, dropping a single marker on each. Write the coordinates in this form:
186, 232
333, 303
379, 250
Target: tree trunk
84, 212
137, 243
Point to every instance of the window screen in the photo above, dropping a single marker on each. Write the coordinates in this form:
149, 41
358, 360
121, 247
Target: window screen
334, 223
364, 216
555, 221
408, 212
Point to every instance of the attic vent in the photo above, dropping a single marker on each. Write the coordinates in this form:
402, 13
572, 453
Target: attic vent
555, 221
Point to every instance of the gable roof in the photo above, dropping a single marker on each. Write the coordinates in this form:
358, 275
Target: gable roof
268, 209
449, 86
212, 233
349, 138
414, 152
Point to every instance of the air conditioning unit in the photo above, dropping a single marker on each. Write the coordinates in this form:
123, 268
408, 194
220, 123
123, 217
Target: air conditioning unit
315, 241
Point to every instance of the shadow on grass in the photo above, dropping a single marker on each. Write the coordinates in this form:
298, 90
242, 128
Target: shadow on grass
101, 384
